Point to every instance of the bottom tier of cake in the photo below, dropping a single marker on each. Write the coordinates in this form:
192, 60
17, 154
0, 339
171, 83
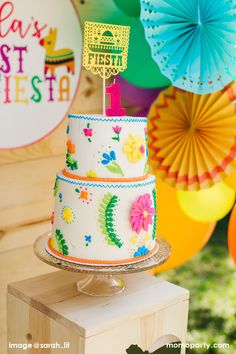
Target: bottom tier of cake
103, 223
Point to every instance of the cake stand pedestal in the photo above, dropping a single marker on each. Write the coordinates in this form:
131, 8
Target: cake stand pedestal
101, 280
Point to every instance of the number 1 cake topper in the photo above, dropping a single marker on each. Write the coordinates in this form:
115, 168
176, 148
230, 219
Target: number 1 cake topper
105, 48
106, 54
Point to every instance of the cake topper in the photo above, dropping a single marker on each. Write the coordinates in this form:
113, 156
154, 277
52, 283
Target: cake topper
106, 54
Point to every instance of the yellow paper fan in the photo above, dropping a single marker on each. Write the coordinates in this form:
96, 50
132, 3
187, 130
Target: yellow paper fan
192, 138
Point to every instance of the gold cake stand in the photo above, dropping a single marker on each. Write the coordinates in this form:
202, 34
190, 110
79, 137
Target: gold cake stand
101, 280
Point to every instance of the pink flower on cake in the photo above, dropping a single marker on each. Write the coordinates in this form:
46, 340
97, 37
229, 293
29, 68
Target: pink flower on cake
116, 129
88, 132
142, 149
142, 213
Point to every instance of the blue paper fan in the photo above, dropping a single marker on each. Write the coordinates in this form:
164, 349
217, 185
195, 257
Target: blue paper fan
192, 41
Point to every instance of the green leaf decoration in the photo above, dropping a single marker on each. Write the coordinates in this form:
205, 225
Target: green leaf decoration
77, 190
70, 162
146, 167
116, 138
115, 168
61, 242
56, 186
154, 194
106, 219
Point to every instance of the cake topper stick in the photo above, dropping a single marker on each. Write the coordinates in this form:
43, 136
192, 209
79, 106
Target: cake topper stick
105, 54
104, 94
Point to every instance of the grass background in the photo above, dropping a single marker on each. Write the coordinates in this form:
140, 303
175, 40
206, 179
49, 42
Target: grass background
211, 278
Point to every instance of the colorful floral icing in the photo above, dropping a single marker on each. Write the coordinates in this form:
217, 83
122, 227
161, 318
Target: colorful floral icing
61, 243
70, 162
134, 239
68, 215
117, 131
134, 148
141, 251
91, 174
146, 140
84, 194
154, 194
56, 186
109, 161
88, 132
88, 240
70, 147
107, 158
142, 213
106, 220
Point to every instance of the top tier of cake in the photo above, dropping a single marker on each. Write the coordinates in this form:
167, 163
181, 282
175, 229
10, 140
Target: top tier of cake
106, 147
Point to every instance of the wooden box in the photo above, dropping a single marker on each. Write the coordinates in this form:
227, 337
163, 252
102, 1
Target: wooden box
48, 311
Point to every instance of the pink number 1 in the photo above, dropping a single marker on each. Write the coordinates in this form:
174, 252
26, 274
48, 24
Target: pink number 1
115, 108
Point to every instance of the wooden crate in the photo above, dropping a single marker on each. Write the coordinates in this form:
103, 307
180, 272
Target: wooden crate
49, 310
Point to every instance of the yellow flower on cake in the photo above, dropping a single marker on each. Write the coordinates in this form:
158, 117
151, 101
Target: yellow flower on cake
91, 174
67, 215
134, 148
134, 239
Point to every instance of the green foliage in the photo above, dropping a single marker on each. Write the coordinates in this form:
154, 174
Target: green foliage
211, 278
56, 186
70, 162
134, 349
115, 168
63, 248
154, 194
106, 219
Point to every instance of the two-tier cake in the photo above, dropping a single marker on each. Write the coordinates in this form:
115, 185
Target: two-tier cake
105, 208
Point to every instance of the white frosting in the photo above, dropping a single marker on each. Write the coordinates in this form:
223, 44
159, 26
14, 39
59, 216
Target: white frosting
92, 136
82, 208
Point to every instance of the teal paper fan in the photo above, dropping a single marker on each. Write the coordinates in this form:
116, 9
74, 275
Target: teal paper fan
192, 41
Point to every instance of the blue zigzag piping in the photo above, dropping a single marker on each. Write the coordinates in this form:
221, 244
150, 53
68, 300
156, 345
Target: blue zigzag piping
108, 185
109, 119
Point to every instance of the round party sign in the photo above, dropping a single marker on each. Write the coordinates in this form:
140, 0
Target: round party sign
40, 62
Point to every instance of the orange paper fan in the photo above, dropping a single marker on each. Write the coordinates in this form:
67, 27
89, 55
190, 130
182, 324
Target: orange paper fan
192, 138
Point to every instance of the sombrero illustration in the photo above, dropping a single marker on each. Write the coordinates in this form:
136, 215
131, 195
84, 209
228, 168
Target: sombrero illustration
106, 44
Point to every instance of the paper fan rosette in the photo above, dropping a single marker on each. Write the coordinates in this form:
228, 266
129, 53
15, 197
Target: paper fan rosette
192, 41
192, 138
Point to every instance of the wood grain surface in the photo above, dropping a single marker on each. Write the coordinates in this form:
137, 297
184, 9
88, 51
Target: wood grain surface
149, 309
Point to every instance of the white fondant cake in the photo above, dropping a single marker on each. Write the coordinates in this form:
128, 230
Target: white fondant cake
105, 203
107, 147
93, 220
